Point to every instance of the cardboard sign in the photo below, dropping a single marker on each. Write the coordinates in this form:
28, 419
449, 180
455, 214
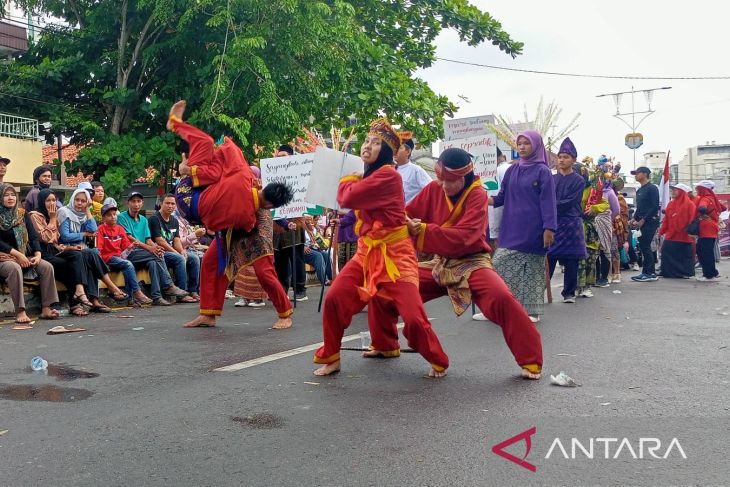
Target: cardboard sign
329, 167
464, 128
293, 171
484, 151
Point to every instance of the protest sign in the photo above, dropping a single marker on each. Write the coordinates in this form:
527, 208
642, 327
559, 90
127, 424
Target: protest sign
484, 151
329, 167
293, 171
464, 128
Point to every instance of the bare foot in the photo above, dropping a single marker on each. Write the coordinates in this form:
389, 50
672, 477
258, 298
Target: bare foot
22, 319
177, 110
282, 324
328, 369
435, 374
526, 374
380, 354
202, 321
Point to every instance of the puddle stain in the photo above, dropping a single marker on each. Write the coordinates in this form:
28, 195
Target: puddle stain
260, 421
43, 393
66, 373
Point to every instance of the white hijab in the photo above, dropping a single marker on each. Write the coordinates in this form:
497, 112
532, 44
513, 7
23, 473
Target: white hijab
68, 212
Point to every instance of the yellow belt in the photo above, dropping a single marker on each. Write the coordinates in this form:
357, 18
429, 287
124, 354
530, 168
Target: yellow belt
382, 245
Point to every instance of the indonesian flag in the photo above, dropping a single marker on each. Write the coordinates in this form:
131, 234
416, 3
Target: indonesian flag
664, 195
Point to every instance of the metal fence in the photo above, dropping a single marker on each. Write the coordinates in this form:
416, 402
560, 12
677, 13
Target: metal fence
18, 127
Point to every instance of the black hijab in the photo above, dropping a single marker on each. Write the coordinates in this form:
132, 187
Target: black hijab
42, 197
385, 157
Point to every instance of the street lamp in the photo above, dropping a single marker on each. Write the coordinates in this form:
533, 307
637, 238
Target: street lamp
634, 140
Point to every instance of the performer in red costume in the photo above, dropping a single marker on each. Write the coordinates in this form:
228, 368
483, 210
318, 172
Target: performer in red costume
384, 272
449, 219
225, 200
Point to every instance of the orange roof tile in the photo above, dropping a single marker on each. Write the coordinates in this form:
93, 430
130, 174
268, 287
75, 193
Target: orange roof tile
70, 152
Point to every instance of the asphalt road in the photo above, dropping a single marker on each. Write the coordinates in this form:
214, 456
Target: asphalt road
652, 362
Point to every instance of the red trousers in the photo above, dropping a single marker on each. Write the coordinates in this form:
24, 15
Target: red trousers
213, 285
498, 304
343, 302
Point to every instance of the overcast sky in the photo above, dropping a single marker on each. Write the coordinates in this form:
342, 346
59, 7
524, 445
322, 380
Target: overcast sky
621, 37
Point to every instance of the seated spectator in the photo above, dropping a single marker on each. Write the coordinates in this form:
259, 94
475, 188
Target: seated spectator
146, 253
113, 244
165, 232
42, 177
78, 231
20, 253
97, 200
190, 239
315, 250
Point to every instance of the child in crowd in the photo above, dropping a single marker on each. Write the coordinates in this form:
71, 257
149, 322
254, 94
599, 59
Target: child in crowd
113, 244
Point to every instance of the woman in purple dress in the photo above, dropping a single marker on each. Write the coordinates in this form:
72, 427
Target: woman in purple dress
529, 222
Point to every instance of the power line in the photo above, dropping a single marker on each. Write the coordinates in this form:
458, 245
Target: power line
68, 107
583, 75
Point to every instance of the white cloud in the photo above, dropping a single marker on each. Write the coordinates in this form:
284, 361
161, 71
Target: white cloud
622, 37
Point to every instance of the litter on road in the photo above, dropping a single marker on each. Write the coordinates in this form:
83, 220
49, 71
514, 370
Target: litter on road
563, 380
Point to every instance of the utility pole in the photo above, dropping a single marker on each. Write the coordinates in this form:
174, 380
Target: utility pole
634, 140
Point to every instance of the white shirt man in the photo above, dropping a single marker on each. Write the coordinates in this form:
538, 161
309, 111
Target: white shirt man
495, 214
415, 178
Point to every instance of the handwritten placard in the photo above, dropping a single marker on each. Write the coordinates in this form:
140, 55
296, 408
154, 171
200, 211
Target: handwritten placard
329, 166
484, 151
293, 171
464, 128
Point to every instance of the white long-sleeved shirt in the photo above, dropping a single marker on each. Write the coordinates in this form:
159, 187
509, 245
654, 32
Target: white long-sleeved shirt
415, 178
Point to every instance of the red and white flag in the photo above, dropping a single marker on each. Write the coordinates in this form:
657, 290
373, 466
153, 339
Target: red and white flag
664, 194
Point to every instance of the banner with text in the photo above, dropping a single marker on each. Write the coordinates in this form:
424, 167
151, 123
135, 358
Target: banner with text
464, 128
294, 171
484, 150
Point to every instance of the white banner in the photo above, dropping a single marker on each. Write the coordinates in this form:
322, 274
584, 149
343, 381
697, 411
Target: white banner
329, 167
293, 171
484, 151
464, 128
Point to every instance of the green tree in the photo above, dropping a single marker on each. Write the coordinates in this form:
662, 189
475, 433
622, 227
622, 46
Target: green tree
256, 70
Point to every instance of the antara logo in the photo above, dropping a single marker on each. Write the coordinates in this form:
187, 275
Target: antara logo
605, 448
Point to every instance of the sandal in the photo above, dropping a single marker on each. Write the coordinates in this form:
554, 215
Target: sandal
187, 299
85, 301
119, 295
100, 308
79, 310
53, 316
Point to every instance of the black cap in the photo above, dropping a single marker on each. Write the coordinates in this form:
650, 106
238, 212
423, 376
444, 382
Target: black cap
4, 160
455, 158
643, 169
134, 194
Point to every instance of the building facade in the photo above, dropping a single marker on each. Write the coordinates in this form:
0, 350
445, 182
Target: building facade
708, 161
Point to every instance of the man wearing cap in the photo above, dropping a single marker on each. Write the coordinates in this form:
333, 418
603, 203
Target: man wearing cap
569, 246
449, 219
146, 252
4, 161
415, 178
646, 219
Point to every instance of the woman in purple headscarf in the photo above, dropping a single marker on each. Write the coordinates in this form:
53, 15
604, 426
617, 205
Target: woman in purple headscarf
528, 223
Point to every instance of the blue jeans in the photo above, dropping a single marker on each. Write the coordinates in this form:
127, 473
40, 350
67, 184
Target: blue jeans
117, 264
319, 259
177, 262
193, 268
155, 266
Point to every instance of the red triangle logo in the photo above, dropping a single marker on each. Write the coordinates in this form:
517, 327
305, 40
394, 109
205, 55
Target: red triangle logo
498, 449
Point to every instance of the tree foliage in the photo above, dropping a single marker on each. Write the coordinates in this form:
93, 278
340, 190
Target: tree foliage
252, 69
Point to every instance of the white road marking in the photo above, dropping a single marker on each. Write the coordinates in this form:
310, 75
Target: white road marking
288, 353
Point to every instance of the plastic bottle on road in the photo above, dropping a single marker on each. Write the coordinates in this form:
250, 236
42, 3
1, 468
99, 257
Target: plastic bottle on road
37, 363
365, 340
